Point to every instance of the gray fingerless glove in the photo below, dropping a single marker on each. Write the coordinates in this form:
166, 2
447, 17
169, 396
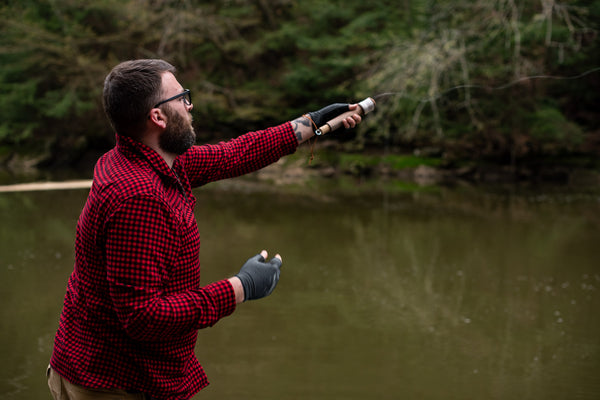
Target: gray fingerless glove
258, 277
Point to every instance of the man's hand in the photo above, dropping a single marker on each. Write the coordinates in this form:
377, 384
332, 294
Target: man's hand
320, 117
325, 114
305, 126
258, 277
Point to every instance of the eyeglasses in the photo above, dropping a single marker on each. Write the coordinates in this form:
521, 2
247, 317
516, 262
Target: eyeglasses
187, 98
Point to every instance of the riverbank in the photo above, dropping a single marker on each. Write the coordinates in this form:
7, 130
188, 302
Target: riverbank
328, 163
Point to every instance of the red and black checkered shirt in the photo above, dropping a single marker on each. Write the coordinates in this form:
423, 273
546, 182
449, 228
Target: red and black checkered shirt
134, 302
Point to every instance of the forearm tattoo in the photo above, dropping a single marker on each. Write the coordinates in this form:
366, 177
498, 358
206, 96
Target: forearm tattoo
297, 128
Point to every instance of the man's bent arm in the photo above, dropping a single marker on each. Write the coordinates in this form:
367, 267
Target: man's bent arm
142, 253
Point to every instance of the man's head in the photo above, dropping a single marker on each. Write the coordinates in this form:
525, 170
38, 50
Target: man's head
131, 90
142, 91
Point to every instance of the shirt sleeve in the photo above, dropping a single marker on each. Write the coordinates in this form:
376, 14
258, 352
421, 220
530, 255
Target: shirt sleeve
141, 239
244, 154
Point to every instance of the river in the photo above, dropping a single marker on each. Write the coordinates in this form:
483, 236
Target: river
437, 293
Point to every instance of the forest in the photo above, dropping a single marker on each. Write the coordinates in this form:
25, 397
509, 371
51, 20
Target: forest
505, 82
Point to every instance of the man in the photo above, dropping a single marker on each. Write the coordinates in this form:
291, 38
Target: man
134, 303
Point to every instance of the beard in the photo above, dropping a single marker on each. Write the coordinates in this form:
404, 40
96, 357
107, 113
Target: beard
179, 134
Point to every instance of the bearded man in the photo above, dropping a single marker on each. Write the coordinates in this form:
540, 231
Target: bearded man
134, 303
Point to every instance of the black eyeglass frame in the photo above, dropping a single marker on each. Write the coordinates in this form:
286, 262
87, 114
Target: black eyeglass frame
187, 98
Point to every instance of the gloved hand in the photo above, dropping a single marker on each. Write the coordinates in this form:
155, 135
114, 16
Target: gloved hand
258, 277
328, 113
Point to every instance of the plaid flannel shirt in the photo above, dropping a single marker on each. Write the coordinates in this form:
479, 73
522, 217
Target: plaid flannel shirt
134, 303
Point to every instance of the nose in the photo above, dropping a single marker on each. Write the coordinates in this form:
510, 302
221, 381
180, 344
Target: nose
189, 107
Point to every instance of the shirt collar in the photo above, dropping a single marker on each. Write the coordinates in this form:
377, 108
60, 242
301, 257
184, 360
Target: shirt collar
136, 149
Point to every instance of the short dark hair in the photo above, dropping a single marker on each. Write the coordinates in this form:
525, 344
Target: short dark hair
130, 91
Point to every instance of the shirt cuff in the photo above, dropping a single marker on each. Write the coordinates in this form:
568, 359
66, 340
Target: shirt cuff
290, 139
223, 296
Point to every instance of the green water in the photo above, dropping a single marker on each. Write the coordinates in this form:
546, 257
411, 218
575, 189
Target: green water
443, 294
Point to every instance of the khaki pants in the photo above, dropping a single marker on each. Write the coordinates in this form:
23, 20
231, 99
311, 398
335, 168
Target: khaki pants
62, 389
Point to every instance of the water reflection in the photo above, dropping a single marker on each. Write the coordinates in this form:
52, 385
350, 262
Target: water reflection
439, 295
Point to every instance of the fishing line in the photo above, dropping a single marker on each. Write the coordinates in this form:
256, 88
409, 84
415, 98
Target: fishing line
368, 104
486, 87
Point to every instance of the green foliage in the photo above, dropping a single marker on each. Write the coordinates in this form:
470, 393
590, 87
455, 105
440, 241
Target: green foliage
458, 69
470, 73
553, 132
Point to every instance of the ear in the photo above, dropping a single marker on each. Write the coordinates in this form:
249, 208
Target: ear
158, 118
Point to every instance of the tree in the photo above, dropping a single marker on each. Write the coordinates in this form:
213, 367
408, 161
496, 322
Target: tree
460, 71
466, 83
